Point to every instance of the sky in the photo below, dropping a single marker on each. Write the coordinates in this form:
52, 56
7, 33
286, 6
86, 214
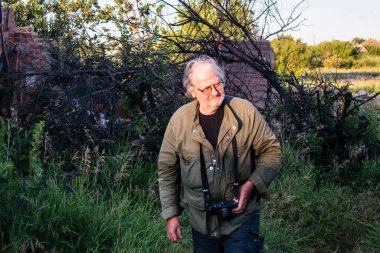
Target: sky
326, 20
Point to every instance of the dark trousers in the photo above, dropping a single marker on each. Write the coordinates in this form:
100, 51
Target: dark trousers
245, 239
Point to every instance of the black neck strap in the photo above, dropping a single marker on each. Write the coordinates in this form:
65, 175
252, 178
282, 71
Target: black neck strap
206, 191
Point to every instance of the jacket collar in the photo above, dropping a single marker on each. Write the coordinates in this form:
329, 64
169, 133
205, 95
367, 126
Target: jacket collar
230, 125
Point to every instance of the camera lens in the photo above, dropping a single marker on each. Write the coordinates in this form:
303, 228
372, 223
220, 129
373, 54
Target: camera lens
225, 213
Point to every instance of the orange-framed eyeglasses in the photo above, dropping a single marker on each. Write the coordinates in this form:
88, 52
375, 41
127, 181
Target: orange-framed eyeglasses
207, 91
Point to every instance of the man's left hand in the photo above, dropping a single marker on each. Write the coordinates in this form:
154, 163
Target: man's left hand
245, 192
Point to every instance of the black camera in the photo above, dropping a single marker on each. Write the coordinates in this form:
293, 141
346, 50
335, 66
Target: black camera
222, 208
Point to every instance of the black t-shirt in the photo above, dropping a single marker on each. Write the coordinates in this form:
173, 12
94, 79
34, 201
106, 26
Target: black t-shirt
211, 125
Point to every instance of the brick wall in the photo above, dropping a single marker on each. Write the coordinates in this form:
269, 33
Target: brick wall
25, 53
243, 80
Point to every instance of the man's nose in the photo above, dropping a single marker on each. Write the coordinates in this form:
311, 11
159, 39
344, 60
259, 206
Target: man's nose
214, 91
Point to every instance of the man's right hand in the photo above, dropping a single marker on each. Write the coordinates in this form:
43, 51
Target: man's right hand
173, 229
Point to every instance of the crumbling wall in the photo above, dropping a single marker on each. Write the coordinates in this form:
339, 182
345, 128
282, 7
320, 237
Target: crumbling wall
242, 79
25, 51
25, 54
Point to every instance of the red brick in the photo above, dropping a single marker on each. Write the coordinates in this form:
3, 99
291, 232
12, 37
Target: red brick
8, 15
240, 76
25, 35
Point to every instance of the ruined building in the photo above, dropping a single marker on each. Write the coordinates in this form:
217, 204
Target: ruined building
27, 54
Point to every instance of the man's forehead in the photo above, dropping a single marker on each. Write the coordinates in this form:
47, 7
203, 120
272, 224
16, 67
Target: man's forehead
205, 74
207, 83
203, 66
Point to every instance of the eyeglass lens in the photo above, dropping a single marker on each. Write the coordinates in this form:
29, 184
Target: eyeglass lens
207, 91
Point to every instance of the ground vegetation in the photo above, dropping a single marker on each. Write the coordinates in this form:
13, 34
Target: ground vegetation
78, 160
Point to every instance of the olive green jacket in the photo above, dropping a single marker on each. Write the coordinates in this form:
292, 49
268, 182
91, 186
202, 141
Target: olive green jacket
179, 163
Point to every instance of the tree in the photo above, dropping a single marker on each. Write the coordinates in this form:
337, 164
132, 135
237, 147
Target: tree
186, 28
292, 56
357, 40
237, 38
336, 54
56, 18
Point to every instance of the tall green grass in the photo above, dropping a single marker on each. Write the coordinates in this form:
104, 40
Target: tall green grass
6, 164
111, 204
74, 216
78, 220
305, 217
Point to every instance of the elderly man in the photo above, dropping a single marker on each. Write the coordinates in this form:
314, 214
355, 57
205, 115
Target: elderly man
223, 154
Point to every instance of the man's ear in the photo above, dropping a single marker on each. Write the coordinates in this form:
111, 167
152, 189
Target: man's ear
191, 91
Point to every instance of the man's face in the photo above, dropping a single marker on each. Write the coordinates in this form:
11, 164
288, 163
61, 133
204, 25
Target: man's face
203, 78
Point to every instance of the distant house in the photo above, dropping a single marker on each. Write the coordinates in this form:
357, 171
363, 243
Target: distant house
371, 42
360, 48
372, 46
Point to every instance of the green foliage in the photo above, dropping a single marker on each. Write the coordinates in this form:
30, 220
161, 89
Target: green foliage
94, 74
295, 56
299, 218
335, 131
54, 19
335, 61
114, 209
35, 166
10, 182
343, 162
362, 138
369, 177
292, 56
340, 48
238, 11
357, 40
336, 54
118, 210
367, 62
373, 50
6, 163
370, 117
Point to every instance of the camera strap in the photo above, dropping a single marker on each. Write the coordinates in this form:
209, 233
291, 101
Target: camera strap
235, 164
206, 191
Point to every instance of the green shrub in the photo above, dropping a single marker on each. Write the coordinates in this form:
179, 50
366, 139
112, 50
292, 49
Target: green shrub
373, 50
303, 218
371, 135
337, 140
6, 163
10, 183
74, 216
367, 62
35, 165
334, 61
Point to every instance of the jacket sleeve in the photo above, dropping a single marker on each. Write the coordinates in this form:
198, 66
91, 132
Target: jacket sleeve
267, 152
169, 175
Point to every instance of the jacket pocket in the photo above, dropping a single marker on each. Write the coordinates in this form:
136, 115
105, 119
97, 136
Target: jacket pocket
243, 163
194, 198
190, 171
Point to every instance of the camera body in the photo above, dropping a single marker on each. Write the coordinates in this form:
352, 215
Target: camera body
222, 208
